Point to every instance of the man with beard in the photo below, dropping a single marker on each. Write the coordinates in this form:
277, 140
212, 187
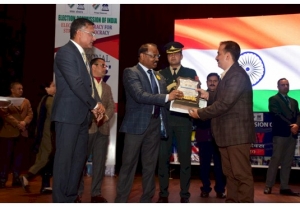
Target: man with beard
179, 127
208, 149
232, 122
146, 97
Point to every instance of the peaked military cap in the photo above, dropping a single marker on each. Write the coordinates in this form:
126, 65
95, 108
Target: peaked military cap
173, 47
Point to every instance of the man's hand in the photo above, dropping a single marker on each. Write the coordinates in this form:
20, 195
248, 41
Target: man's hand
203, 94
175, 94
294, 128
100, 108
99, 111
193, 113
22, 126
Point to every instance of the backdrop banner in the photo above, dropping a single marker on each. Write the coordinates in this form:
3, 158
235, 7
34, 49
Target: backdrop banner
106, 18
261, 150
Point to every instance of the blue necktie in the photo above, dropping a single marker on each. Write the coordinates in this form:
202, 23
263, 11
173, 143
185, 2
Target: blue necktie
154, 91
163, 132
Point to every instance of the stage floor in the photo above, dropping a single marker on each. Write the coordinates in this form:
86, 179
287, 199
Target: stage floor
17, 194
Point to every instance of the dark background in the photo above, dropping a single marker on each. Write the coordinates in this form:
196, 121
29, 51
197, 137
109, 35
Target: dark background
27, 40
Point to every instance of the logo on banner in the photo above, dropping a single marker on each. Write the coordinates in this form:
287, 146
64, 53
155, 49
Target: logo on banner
258, 117
79, 9
101, 9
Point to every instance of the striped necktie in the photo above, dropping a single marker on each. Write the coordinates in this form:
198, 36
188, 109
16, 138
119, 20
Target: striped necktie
154, 88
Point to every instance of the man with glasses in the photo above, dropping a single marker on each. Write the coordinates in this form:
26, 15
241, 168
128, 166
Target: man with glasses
73, 103
179, 126
146, 96
99, 132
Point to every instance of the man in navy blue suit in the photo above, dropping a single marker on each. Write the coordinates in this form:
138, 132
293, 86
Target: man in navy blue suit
71, 110
145, 112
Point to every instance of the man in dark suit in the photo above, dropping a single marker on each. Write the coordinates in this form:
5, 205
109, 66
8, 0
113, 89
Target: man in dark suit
208, 149
232, 122
145, 115
99, 132
179, 126
71, 110
285, 126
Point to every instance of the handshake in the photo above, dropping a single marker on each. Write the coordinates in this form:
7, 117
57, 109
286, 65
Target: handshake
99, 111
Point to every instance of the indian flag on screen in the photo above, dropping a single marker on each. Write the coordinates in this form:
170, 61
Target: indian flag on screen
270, 50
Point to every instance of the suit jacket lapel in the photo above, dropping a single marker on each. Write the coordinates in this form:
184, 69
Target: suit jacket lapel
145, 79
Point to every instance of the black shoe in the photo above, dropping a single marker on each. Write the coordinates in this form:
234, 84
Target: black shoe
288, 192
267, 190
204, 194
163, 200
46, 190
221, 195
184, 200
24, 184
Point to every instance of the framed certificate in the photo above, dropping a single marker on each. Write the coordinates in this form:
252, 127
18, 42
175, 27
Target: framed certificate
190, 96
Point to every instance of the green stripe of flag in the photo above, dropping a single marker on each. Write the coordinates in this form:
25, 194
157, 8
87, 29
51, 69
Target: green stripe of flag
261, 98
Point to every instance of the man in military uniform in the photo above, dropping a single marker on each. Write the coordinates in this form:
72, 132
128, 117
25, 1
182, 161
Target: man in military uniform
179, 127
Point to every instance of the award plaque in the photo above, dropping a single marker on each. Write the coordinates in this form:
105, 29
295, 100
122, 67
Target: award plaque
190, 96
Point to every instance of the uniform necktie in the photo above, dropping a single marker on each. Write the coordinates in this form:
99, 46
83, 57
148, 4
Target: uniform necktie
174, 74
154, 91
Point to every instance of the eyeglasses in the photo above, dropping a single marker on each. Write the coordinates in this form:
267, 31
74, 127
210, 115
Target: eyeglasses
90, 33
153, 56
103, 65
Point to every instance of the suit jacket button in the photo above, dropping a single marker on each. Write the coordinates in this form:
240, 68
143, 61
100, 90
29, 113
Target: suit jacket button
90, 85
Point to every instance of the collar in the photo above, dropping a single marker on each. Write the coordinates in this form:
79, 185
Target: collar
145, 68
81, 50
98, 79
177, 69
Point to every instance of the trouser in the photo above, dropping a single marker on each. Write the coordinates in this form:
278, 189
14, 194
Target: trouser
238, 171
98, 147
11, 156
183, 140
209, 150
146, 144
283, 154
69, 161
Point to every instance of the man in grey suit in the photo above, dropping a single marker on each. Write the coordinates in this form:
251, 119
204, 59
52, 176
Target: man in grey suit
146, 97
285, 126
71, 110
232, 122
99, 132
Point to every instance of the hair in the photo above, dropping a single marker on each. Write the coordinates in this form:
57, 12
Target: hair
15, 83
280, 80
78, 24
95, 59
144, 48
233, 48
213, 74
